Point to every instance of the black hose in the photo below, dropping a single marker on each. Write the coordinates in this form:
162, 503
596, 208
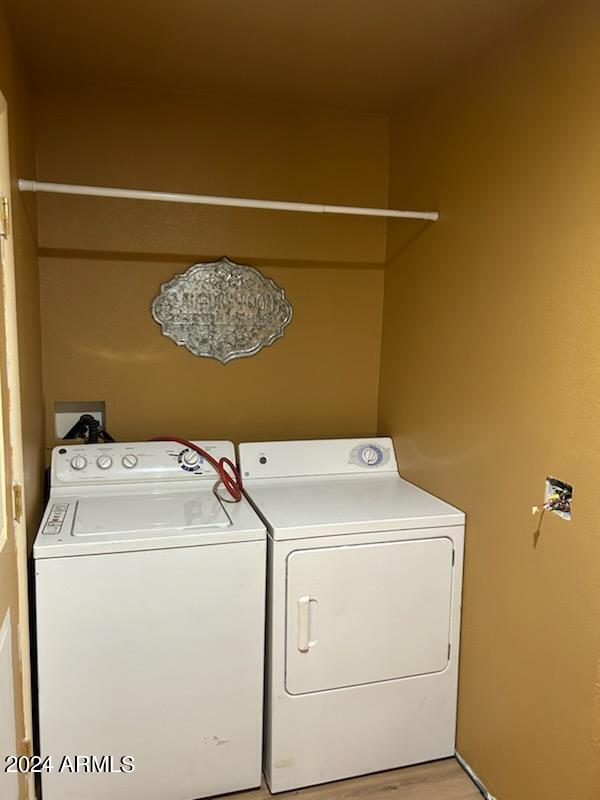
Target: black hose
88, 428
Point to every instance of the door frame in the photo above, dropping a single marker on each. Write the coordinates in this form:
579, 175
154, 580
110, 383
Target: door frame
15, 445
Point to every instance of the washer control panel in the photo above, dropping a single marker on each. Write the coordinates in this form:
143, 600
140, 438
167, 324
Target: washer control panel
55, 518
134, 462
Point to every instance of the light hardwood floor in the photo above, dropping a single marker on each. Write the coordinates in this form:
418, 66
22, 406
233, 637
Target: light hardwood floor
438, 780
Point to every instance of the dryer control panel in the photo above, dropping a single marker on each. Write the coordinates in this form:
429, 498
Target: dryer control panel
134, 462
316, 457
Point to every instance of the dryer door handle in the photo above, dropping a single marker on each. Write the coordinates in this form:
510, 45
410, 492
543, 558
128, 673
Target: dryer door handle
307, 623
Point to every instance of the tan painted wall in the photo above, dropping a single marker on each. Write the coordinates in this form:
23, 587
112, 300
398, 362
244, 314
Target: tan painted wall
103, 262
14, 90
490, 381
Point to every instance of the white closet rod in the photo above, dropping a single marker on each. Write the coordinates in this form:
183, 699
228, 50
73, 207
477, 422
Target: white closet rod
210, 200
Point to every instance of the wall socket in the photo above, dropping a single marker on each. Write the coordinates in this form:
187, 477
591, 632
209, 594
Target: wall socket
563, 495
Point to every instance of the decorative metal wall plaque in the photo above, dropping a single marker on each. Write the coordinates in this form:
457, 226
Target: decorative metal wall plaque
222, 310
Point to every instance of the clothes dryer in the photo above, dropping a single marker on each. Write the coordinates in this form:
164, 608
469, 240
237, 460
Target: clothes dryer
363, 620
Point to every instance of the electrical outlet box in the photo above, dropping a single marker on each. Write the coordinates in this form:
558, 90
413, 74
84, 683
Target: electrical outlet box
558, 497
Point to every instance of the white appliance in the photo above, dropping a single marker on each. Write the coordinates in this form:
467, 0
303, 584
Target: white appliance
150, 595
364, 594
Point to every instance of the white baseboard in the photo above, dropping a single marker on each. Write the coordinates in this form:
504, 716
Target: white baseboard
475, 778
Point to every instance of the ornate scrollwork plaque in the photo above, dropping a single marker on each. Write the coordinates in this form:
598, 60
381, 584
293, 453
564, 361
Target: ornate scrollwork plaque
222, 310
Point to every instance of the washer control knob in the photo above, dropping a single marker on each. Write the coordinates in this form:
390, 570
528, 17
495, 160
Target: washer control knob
104, 462
78, 462
370, 455
190, 458
129, 461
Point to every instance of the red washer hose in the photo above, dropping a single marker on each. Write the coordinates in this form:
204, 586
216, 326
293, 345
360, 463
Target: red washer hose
224, 467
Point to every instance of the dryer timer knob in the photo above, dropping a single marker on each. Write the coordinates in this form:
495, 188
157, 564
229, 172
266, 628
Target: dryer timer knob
78, 462
104, 462
129, 461
370, 455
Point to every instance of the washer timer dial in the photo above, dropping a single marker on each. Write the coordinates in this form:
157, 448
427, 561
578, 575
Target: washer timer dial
190, 460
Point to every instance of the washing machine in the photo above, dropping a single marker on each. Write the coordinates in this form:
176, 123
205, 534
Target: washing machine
150, 592
363, 618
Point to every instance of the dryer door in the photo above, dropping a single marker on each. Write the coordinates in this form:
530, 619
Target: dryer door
366, 613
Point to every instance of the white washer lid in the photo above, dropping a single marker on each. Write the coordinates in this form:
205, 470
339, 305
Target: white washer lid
136, 518
123, 514
296, 508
